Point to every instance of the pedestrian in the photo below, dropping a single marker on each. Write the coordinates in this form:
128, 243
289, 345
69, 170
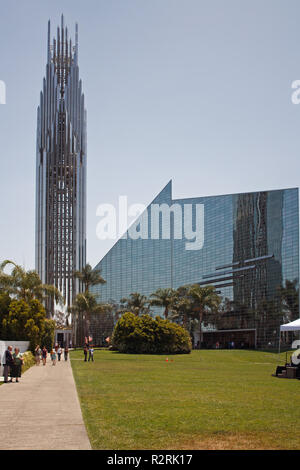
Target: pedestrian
37, 353
16, 368
91, 354
44, 355
85, 351
59, 351
53, 356
7, 364
66, 351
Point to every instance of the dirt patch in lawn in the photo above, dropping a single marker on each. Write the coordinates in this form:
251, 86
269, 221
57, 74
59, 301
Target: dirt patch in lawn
230, 441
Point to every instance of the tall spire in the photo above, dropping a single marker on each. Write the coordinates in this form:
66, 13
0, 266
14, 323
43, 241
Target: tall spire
76, 43
48, 44
61, 167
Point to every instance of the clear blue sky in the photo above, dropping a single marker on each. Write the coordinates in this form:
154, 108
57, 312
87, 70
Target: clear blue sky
197, 91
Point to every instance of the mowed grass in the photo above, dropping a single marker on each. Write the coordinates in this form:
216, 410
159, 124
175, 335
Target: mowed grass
206, 400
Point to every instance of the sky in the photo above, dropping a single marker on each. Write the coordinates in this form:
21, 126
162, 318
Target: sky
190, 90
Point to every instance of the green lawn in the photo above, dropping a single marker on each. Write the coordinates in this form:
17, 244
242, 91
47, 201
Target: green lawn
205, 400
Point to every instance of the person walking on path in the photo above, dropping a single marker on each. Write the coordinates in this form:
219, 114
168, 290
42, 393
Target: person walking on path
53, 357
16, 368
8, 363
91, 353
66, 352
85, 351
38, 353
59, 351
44, 355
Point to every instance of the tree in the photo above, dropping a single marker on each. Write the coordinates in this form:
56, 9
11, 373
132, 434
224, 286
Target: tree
204, 302
85, 303
146, 335
25, 321
47, 337
289, 294
136, 303
27, 285
181, 308
89, 277
5, 301
163, 298
117, 309
84, 306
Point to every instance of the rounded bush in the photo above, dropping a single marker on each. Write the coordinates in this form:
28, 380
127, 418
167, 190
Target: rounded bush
146, 335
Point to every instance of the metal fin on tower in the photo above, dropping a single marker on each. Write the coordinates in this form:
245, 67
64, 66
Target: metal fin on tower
48, 44
76, 43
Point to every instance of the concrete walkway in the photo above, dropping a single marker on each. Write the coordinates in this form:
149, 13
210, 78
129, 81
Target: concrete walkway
42, 411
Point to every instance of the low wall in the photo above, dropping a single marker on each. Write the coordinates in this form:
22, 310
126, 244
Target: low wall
23, 345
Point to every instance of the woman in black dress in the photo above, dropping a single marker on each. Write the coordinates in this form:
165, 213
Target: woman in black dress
16, 368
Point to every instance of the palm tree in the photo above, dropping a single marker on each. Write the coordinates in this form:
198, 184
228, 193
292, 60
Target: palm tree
89, 277
136, 303
205, 301
84, 305
163, 298
27, 285
181, 307
117, 309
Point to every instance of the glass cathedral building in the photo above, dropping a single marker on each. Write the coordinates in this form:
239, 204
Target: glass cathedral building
60, 241
249, 249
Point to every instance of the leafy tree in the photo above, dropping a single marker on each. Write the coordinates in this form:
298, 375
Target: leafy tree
146, 335
163, 298
4, 309
136, 303
25, 321
47, 337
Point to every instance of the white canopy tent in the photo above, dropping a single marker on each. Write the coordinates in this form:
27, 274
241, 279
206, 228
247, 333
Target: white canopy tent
292, 326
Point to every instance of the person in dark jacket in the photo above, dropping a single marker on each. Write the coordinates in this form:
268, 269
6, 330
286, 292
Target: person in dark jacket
66, 352
9, 362
85, 351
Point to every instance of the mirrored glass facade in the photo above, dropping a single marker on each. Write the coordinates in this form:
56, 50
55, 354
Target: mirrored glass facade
250, 250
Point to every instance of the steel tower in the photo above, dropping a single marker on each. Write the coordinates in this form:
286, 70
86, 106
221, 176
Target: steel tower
60, 245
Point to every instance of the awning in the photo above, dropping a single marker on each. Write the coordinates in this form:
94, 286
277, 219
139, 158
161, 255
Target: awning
292, 326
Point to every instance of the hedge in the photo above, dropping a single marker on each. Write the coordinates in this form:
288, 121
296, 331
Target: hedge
29, 361
146, 335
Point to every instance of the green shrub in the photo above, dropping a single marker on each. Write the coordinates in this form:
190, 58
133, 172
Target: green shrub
28, 361
146, 335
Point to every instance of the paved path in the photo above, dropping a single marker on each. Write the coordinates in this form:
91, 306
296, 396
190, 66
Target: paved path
42, 411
